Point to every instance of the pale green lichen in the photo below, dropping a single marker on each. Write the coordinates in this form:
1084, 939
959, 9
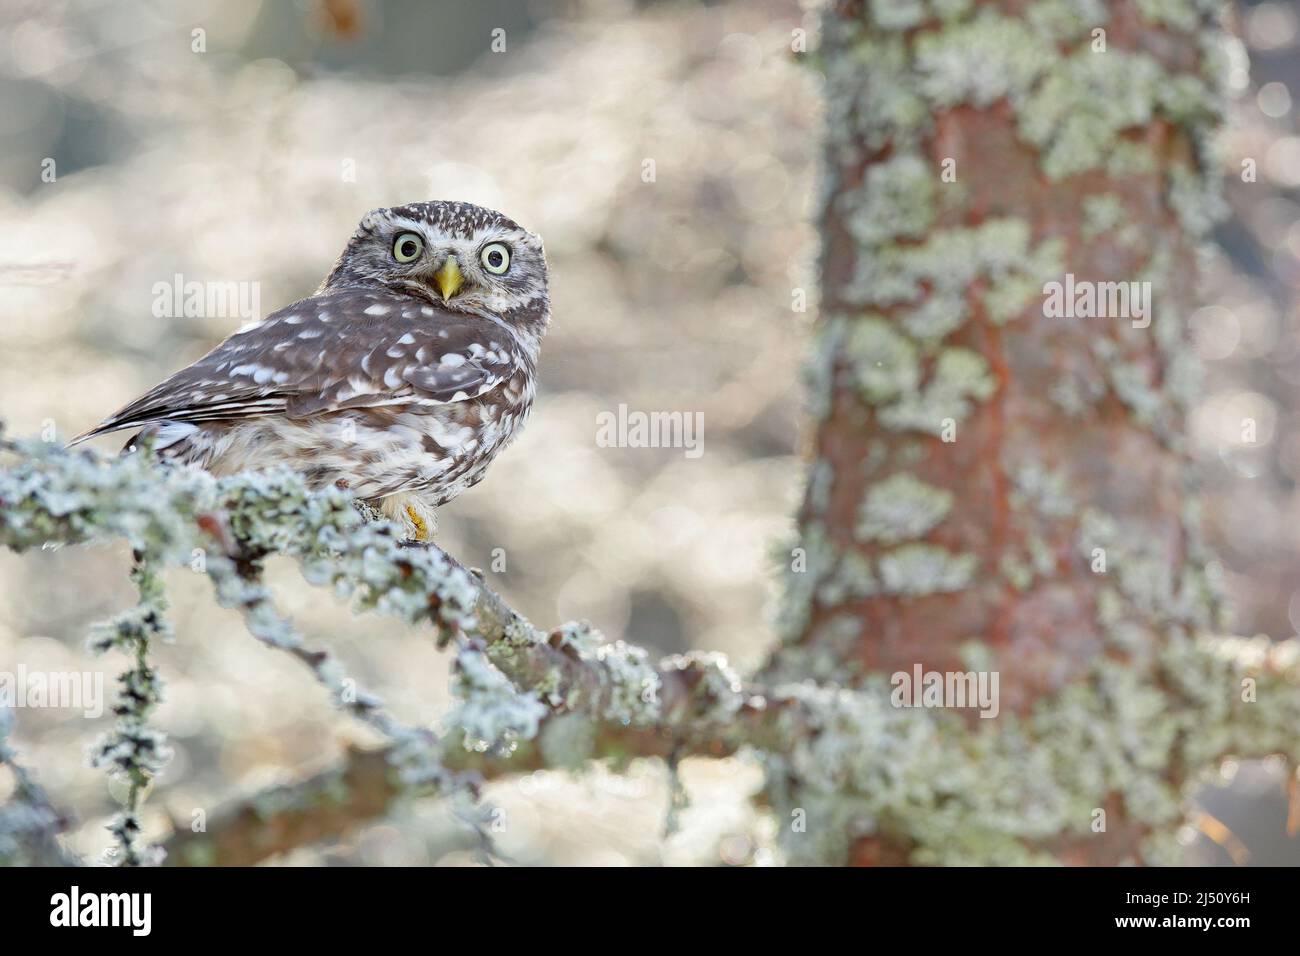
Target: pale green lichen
960, 797
1128, 158
1134, 384
1077, 389
869, 95
1011, 293
932, 320
884, 362
1148, 585
959, 379
30, 824
896, 201
819, 370
1042, 489
1079, 110
716, 694
1017, 572
851, 578
630, 683
919, 569
1197, 203
1181, 14
134, 751
901, 507
980, 61
1103, 214
490, 711
1042, 556
945, 792
1065, 21
898, 14
947, 260
1038, 560
802, 563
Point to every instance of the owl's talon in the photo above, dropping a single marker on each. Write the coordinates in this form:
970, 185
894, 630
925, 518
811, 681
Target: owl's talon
421, 528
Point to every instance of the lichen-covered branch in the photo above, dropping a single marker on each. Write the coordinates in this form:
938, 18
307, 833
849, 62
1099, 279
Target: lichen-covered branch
30, 824
531, 699
852, 756
412, 761
135, 751
515, 682
364, 787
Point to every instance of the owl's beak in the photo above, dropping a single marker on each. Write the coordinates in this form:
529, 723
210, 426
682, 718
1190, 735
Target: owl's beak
449, 278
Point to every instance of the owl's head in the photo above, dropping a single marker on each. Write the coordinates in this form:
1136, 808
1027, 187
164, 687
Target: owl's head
463, 257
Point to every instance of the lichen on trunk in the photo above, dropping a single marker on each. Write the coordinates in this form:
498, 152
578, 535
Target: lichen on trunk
995, 486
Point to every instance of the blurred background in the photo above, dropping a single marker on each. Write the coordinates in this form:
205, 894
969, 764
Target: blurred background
241, 141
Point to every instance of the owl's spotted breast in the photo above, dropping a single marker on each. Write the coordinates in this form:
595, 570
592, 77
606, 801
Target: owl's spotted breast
435, 452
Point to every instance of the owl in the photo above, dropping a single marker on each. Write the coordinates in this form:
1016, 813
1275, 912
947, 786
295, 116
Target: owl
401, 379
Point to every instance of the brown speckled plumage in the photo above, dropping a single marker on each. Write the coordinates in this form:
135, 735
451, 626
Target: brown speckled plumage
381, 380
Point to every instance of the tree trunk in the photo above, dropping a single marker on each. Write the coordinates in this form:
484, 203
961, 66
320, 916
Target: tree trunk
997, 487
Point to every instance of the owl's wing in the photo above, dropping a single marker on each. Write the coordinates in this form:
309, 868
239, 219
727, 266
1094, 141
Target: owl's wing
348, 349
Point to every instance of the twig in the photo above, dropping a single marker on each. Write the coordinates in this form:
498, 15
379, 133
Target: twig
30, 824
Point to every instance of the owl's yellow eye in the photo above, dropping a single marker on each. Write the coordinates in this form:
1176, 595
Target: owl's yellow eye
407, 247
495, 258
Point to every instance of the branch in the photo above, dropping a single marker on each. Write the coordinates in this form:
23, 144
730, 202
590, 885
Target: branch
30, 824
134, 751
552, 698
848, 760
364, 786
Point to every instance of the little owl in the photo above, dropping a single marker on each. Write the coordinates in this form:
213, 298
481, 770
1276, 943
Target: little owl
401, 378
